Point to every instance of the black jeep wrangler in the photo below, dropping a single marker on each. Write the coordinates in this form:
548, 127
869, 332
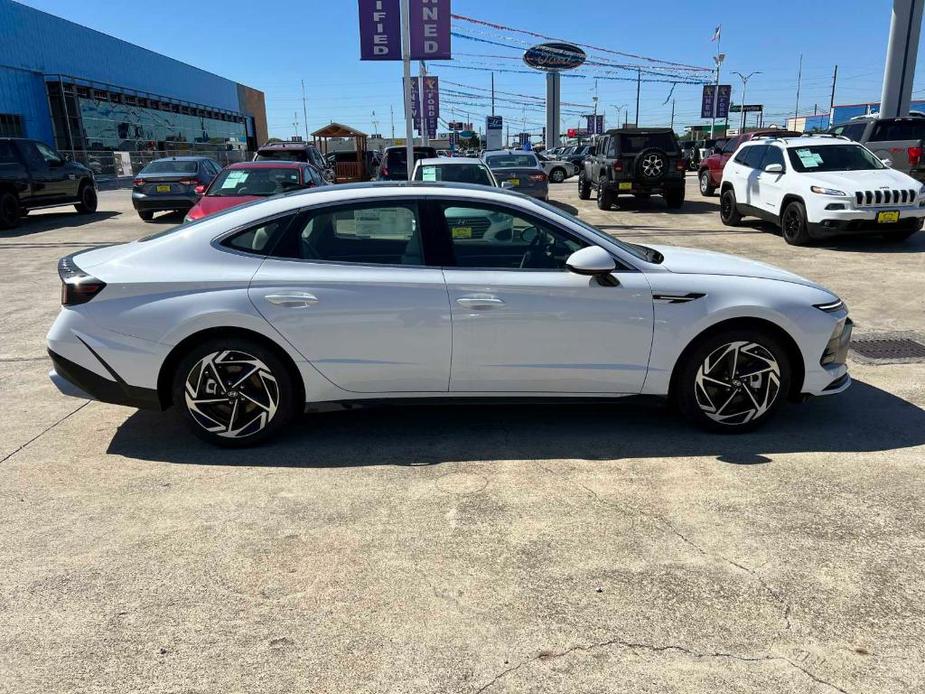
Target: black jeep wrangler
634, 161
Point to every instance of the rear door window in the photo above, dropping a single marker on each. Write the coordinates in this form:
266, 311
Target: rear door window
854, 131
901, 129
773, 155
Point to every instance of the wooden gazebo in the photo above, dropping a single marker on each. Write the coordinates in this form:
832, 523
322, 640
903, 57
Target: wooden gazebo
345, 171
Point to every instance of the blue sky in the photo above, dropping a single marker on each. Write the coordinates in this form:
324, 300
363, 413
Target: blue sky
280, 42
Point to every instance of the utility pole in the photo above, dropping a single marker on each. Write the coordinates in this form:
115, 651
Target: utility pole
832, 100
295, 124
745, 79
672, 114
492, 93
796, 109
718, 59
425, 131
638, 86
392, 117
406, 83
304, 110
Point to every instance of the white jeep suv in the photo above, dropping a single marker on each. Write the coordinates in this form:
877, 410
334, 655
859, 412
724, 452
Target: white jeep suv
818, 186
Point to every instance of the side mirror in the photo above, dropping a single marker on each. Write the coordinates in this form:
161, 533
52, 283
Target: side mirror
592, 260
774, 168
887, 161
199, 190
507, 185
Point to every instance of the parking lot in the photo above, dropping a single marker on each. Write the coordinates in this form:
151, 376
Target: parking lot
581, 548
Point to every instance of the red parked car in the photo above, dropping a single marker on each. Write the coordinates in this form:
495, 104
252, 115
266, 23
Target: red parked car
248, 181
710, 172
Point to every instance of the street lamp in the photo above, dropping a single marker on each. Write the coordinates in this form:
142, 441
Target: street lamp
623, 108
745, 79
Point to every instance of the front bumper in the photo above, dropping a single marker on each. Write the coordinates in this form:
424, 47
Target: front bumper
864, 220
144, 202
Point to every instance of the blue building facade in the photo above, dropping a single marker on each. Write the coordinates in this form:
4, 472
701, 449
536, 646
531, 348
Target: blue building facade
82, 90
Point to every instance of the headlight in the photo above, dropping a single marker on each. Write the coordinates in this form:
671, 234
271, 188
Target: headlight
826, 191
187, 219
832, 306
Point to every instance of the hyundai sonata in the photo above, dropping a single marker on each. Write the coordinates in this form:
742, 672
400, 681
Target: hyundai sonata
360, 293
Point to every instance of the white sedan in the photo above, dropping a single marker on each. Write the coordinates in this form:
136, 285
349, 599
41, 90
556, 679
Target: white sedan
359, 293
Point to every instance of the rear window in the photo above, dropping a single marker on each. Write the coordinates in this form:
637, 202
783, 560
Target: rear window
507, 161
170, 166
634, 144
905, 129
400, 156
282, 155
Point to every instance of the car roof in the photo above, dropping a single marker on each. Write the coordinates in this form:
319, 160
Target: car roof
637, 131
287, 145
507, 151
179, 159
449, 161
267, 164
814, 140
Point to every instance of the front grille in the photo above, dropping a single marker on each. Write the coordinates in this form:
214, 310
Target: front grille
900, 196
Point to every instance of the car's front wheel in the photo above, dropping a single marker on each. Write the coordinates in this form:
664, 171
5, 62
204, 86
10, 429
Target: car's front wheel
734, 380
557, 175
793, 224
584, 188
9, 210
234, 392
604, 196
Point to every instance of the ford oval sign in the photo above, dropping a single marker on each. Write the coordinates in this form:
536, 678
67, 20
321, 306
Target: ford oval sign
554, 56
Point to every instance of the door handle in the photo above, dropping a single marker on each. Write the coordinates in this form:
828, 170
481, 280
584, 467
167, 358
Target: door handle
480, 301
292, 299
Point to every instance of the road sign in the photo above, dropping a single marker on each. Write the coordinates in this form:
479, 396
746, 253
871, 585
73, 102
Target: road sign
466, 134
493, 127
748, 108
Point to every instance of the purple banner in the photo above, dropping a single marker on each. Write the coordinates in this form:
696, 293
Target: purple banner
380, 30
722, 103
415, 103
430, 30
431, 98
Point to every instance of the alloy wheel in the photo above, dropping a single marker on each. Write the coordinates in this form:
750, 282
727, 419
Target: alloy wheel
704, 182
653, 165
737, 383
231, 394
792, 224
726, 203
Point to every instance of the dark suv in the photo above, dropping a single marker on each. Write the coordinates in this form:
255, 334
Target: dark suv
898, 139
295, 151
634, 161
394, 164
34, 175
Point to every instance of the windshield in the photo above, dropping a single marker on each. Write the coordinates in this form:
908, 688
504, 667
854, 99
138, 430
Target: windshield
456, 173
256, 181
282, 155
170, 166
833, 158
509, 161
399, 157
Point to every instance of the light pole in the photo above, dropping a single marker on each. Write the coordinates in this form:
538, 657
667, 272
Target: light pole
622, 107
718, 59
745, 79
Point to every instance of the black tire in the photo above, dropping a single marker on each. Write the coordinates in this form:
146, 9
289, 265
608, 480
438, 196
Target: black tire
728, 209
709, 393
651, 165
707, 189
267, 394
23, 211
604, 197
557, 175
9, 210
793, 224
674, 198
584, 188
146, 215
88, 200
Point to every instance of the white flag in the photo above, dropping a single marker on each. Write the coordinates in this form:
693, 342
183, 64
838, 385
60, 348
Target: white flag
716, 33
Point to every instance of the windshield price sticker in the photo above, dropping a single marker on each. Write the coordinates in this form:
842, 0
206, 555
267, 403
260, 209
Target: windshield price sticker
809, 159
430, 173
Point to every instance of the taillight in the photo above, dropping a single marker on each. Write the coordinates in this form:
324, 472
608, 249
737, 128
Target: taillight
618, 165
77, 287
538, 177
915, 154
189, 181
680, 165
384, 170
138, 182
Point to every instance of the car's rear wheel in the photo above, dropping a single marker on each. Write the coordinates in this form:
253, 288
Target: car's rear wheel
604, 197
584, 188
233, 392
734, 380
9, 210
793, 224
728, 211
87, 199
557, 175
706, 185
146, 215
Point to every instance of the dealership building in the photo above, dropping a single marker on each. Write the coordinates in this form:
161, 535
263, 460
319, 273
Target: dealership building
90, 94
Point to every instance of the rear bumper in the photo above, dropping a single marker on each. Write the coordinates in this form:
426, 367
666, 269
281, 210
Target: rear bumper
613, 187
76, 381
174, 201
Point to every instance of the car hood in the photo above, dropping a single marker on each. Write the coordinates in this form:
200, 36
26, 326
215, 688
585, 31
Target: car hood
210, 204
691, 261
851, 181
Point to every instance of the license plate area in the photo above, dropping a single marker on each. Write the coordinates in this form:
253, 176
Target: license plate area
626, 185
165, 188
888, 217
462, 232
514, 181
